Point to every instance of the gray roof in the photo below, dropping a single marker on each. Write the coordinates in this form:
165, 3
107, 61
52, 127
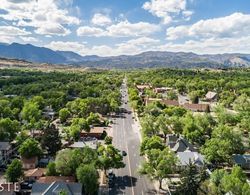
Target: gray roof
183, 145
55, 188
211, 95
194, 157
5, 146
242, 159
90, 144
171, 140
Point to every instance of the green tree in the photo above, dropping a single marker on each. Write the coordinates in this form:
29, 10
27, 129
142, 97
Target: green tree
88, 176
150, 143
63, 162
215, 182
172, 95
149, 126
109, 157
82, 123
191, 130
21, 137
8, 129
191, 179
14, 171
30, 148
108, 140
51, 169
51, 139
236, 182
31, 112
225, 117
5, 110
82, 156
93, 118
74, 132
242, 103
67, 160
160, 163
39, 100
222, 182
194, 97
64, 114
163, 124
176, 124
224, 143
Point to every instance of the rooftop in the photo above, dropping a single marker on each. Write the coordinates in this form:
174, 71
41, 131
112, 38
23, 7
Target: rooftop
211, 95
56, 188
50, 179
38, 172
242, 159
197, 107
5, 146
90, 144
187, 156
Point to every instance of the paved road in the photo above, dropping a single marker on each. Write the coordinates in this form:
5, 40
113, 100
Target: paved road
126, 138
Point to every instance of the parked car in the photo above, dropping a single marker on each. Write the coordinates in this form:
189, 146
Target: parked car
111, 178
124, 153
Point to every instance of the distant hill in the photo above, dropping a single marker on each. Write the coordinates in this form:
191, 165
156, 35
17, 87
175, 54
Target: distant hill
148, 59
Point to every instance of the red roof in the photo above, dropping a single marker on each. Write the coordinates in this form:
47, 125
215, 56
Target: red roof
51, 179
163, 101
197, 107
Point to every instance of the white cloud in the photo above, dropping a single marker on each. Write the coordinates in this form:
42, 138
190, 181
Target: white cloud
143, 41
6, 39
167, 10
52, 29
210, 46
133, 46
29, 39
67, 46
121, 29
37, 13
127, 29
101, 20
235, 25
12, 31
90, 31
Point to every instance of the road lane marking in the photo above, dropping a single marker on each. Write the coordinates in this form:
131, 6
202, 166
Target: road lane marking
130, 172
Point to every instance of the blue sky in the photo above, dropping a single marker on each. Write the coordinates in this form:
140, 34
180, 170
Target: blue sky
115, 27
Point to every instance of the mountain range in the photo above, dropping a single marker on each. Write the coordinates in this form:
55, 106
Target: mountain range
148, 59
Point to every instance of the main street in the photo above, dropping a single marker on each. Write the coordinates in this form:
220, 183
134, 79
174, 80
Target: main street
126, 137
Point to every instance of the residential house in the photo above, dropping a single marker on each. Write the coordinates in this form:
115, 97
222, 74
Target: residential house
185, 151
51, 179
162, 89
242, 160
166, 102
34, 174
171, 140
197, 107
48, 112
211, 96
29, 163
5, 150
56, 188
95, 132
187, 156
93, 144
141, 88
179, 144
